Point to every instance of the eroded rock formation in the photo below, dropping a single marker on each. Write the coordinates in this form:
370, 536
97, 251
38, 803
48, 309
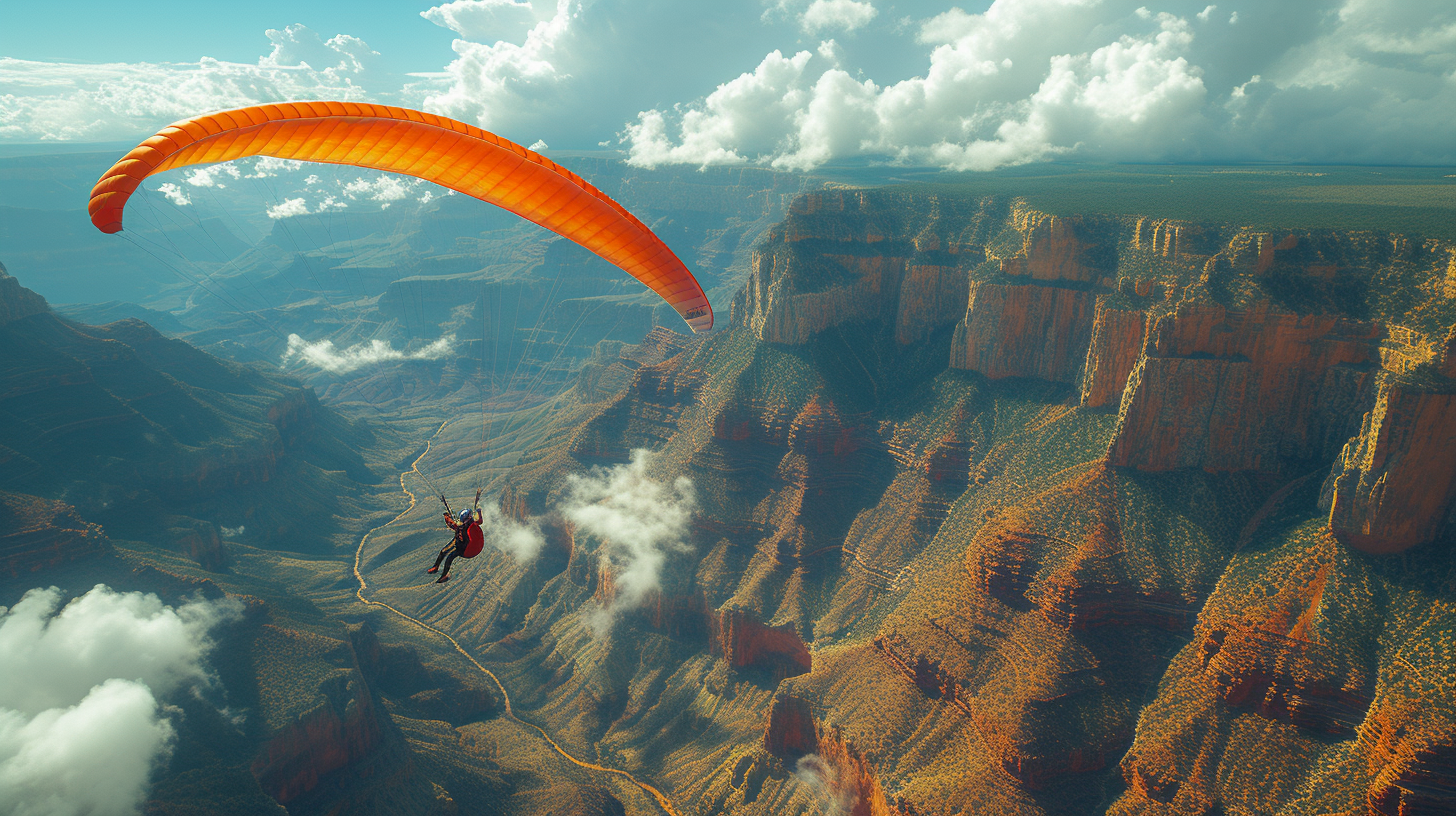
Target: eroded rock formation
1394, 486
1112, 353
740, 638
840, 257
1229, 391
38, 535
992, 581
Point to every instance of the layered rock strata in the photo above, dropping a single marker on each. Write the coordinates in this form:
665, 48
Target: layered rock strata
1038, 322
838, 258
1228, 391
1394, 485
1027, 330
37, 535
1112, 353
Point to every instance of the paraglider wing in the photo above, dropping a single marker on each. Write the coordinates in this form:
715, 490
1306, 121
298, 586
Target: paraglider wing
475, 542
434, 148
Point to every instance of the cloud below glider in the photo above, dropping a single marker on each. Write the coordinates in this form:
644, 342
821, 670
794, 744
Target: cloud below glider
324, 355
521, 541
639, 521
80, 721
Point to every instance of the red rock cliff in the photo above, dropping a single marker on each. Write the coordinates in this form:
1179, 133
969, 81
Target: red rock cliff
1230, 391
1116, 345
838, 259
1023, 331
1394, 485
340, 730
745, 641
1039, 323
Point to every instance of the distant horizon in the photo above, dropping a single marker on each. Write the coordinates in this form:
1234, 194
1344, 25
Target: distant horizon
17, 150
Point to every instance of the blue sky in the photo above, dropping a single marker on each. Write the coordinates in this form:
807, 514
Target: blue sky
791, 84
184, 30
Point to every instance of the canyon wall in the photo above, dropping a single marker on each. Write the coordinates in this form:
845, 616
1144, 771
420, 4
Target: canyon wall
1128, 313
842, 257
1231, 391
1000, 511
1394, 485
1035, 318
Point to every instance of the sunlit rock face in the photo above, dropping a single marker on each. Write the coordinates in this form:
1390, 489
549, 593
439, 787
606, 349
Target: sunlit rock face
1394, 486
1038, 322
1228, 391
1112, 353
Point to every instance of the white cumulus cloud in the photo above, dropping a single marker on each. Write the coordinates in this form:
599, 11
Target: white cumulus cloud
288, 208
491, 81
844, 15
324, 355
80, 721
639, 521
964, 87
482, 20
747, 117
1030, 80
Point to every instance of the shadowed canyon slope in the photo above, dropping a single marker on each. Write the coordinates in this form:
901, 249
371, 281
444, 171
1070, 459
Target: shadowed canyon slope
1002, 512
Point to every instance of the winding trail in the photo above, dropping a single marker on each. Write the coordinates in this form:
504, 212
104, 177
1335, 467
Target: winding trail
657, 795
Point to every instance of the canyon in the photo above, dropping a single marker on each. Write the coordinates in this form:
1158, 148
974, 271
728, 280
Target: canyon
1070, 514
995, 510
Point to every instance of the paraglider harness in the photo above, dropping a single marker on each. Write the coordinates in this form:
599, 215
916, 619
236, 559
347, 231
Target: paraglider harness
468, 540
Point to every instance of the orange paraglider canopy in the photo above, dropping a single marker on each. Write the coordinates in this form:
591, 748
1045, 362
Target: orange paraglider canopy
449, 153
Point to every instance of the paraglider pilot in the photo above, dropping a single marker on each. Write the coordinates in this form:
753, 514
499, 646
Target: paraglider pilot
468, 518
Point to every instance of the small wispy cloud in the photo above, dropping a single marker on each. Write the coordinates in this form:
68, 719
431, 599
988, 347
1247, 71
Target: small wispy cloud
269, 167
212, 175
522, 541
384, 189
288, 208
820, 777
324, 355
175, 194
639, 520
